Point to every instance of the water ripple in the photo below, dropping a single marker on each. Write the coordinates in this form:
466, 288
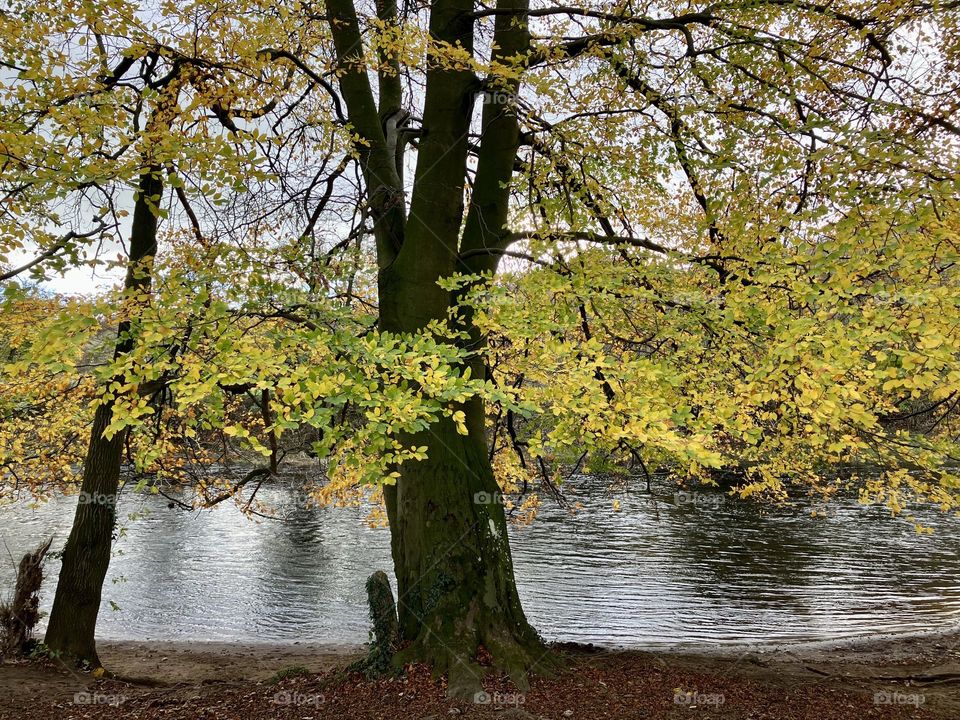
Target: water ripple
659, 572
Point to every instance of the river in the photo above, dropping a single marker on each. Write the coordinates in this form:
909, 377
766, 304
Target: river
664, 570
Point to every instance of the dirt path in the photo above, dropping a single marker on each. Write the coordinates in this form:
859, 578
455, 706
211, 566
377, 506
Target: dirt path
883, 678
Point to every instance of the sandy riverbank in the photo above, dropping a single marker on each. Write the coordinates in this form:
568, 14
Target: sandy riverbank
919, 674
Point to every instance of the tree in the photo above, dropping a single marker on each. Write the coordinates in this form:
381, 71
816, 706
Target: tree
712, 237
86, 555
784, 128
455, 583
92, 104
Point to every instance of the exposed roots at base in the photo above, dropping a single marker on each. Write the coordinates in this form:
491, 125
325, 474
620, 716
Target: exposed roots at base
466, 658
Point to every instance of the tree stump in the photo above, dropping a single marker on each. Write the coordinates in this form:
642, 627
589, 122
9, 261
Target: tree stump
19, 617
385, 631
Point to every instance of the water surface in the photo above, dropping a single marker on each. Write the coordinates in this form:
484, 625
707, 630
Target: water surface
664, 570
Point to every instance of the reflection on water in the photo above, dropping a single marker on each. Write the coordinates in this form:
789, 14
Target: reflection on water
661, 571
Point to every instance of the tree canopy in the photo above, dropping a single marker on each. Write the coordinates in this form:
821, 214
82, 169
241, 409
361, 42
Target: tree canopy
713, 237
730, 238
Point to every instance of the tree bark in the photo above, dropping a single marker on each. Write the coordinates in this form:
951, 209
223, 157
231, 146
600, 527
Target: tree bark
86, 556
456, 592
457, 595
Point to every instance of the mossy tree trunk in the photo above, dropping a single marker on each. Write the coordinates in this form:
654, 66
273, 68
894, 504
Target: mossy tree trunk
86, 556
456, 591
456, 588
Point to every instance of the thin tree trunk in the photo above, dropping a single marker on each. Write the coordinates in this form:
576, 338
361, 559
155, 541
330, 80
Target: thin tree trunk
86, 556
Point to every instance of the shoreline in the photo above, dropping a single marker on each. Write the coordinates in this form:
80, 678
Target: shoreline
195, 676
887, 648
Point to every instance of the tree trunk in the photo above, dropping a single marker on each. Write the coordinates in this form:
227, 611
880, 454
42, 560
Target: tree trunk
86, 556
456, 592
